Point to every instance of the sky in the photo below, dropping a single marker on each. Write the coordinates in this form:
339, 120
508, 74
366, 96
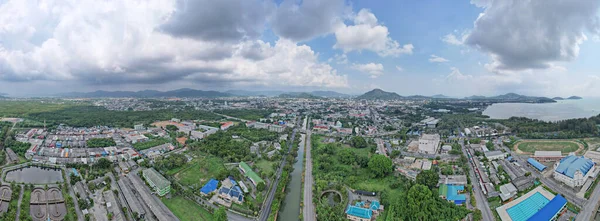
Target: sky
426, 47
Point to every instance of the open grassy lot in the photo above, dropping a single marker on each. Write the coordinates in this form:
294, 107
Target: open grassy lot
186, 210
565, 146
201, 170
23, 108
265, 166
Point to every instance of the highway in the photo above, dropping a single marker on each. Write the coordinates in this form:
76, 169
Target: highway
481, 199
266, 208
309, 208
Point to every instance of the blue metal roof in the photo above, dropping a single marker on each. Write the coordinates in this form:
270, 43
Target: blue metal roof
550, 210
570, 164
210, 186
359, 212
536, 164
453, 194
375, 205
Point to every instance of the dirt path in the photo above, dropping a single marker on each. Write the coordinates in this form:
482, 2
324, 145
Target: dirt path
518, 151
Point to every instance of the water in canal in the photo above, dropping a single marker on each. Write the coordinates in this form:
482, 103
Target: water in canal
290, 209
35, 175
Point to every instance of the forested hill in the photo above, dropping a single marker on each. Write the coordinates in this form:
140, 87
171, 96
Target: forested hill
572, 128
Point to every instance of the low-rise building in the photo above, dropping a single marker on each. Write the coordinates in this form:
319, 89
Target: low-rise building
250, 174
495, 155
429, 143
160, 184
573, 170
545, 156
507, 191
453, 193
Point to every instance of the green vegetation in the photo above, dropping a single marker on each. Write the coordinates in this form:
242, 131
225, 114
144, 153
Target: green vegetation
380, 165
588, 193
151, 143
200, 171
24, 215
89, 116
428, 178
25, 108
100, 142
246, 114
358, 142
253, 135
220, 214
170, 162
11, 214
71, 214
265, 167
222, 144
20, 148
563, 146
565, 129
186, 209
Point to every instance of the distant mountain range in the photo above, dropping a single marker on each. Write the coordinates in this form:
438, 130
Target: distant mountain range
569, 98
378, 94
187, 92
299, 95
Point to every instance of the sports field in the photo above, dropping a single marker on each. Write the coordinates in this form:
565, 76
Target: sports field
186, 209
565, 146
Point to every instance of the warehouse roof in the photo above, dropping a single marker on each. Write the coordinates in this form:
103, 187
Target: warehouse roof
156, 178
536, 164
250, 173
359, 212
547, 154
570, 164
210, 186
551, 209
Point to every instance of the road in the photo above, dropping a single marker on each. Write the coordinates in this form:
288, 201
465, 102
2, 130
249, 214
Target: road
309, 208
481, 199
589, 211
80, 215
19, 203
266, 208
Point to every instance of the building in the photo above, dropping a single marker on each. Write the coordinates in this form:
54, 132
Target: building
429, 143
276, 128
209, 187
453, 179
545, 156
495, 155
507, 191
523, 182
250, 174
160, 184
453, 193
139, 127
573, 170
233, 194
538, 204
12, 157
226, 125
364, 210
536, 164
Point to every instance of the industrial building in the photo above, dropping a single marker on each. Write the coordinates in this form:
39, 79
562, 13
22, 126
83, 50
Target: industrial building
536, 164
573, 170
429, 143
160, 184
495, 155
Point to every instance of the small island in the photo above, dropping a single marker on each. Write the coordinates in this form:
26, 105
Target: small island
557, 98
574, 98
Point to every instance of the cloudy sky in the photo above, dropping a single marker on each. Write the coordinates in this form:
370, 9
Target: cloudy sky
457, 48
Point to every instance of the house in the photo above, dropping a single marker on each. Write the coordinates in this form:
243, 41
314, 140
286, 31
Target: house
209, 187
495, 155
226, 125
507, 191
453, 193
364, 210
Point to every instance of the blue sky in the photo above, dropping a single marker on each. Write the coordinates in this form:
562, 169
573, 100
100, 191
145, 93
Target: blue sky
456, 48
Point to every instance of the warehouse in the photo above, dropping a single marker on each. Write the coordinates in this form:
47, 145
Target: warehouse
545, 156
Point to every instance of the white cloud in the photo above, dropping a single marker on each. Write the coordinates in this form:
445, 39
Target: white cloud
456, 75
368, 34
437, 59
373, 69
119, 42
521, 35
399, 68
454, 40
339, 59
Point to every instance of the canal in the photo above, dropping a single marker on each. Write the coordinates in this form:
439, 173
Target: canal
290, 209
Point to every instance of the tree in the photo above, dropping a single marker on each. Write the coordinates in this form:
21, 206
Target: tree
490, 145
220, 214
260, 186
395, 153
380, 165
358, 142
172, 128
428, 178
347, 156
477, 215
103, 163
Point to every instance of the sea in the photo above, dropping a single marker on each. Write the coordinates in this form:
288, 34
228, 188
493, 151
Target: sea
561, 110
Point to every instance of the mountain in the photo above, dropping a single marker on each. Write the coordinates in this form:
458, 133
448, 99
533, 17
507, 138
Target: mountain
378, 94
299, 95
328, 94
512, 98
574, 98
255, 93
440, 96
557, 98
184, 92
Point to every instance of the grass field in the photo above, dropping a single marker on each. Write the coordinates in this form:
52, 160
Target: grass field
200, 171
186, 210
564, 146
265, 166
23, 108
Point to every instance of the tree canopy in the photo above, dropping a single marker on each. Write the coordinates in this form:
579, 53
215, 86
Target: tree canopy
428, 178
380, 165
358, 142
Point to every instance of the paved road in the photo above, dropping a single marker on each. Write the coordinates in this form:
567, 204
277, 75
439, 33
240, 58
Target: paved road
309, 208
589, 211
266, 208
80, 215
481, 199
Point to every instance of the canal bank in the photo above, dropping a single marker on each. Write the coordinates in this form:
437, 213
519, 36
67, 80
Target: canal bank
290, 209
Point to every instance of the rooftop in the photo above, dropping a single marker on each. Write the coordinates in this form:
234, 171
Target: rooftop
359, 212
210, 186
570, 164
250, 173
156, 178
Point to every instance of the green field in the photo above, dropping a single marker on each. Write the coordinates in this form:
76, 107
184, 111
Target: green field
186, 210
23, 108
200, 171
265, 166
563, 146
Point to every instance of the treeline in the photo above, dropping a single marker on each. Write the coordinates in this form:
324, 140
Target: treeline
246, 114
222, 145
253, 135
100, 142
565, 129
89, 116
149, 144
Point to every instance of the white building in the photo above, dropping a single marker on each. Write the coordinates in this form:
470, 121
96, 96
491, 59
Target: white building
495, 155
507, 191
429, 143
139, 127
574, 171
